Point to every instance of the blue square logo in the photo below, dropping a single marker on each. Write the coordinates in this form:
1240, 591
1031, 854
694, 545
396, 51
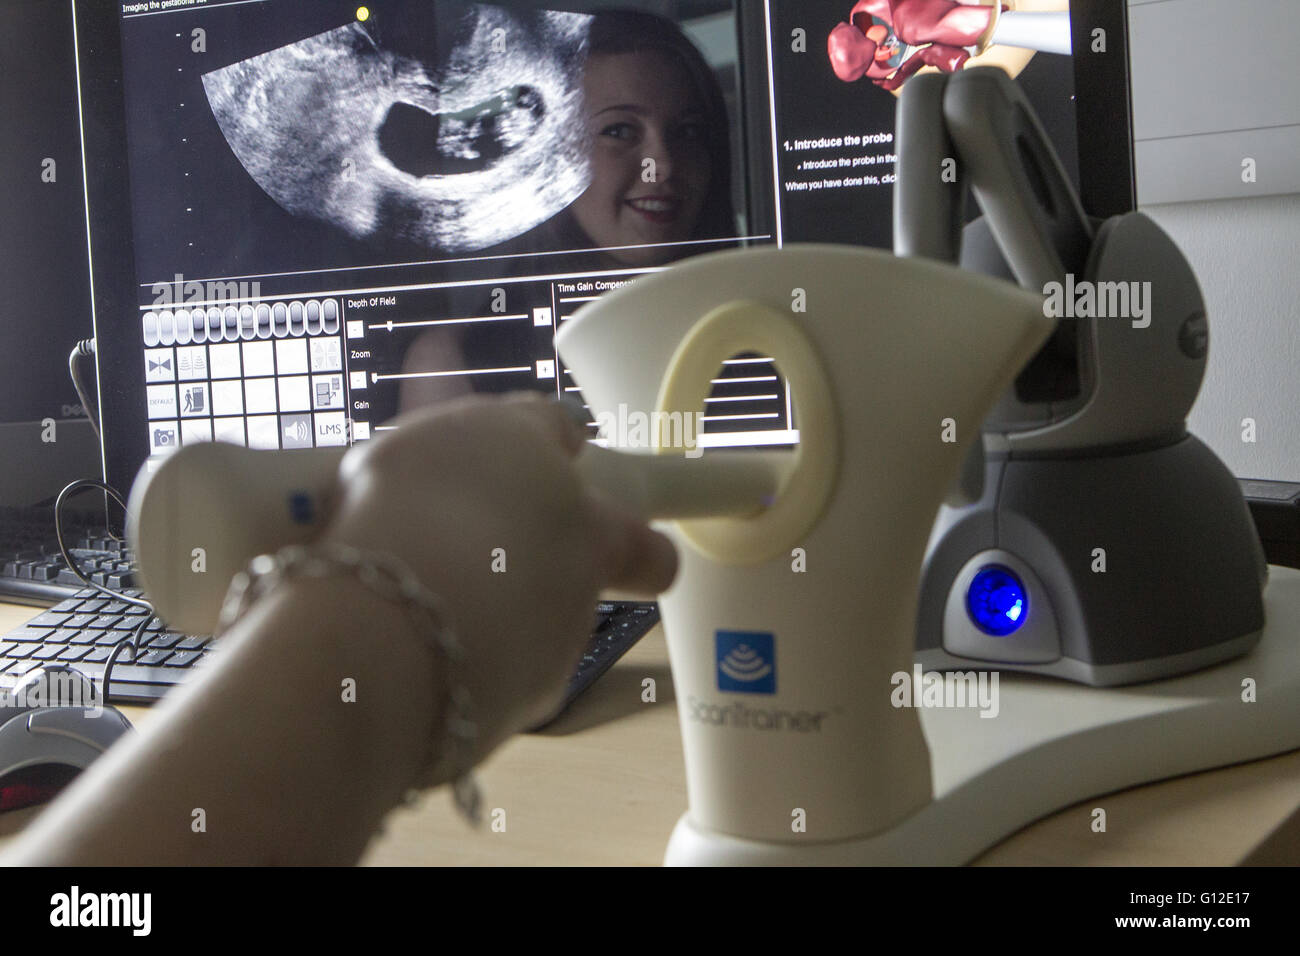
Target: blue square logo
746, 662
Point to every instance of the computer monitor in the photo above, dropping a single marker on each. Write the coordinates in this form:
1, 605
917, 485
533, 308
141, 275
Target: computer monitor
45, 439
307, 217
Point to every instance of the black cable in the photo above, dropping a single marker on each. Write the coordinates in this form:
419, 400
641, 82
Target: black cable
131, 640
83, 349
86, 349
70, 489
134, 637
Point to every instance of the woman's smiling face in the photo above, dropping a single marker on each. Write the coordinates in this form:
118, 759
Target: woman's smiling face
641, 106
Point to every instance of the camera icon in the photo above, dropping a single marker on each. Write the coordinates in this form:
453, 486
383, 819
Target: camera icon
164, 437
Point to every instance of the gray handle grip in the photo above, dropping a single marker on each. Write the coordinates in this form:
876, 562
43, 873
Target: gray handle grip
930, 192
1017, 177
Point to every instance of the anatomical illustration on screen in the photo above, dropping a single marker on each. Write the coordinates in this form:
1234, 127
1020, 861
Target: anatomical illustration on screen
889, 41
455, 142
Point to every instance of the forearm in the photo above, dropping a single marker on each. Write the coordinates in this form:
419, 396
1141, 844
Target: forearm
285, 767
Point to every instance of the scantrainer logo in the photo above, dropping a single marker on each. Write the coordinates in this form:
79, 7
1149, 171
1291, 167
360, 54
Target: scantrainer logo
747, 665
75, 908
742, 717
746, 662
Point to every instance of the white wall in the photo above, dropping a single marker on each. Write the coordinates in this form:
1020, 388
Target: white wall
1246, 251
1214, 83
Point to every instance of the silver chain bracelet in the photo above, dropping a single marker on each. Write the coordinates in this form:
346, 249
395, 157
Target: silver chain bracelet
387, 577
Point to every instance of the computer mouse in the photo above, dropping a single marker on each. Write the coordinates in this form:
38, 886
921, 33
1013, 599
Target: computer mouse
52, 727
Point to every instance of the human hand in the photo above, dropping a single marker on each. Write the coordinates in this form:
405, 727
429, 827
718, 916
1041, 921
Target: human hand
480, 499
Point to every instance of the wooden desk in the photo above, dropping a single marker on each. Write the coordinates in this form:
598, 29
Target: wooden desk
605, 785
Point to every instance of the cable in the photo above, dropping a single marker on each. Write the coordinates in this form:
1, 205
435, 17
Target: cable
133, 641
134, 638
83, 349
86, 349
70, 489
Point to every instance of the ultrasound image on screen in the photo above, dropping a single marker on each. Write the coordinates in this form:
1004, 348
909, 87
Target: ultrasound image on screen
456, 144
326, 137
339, 212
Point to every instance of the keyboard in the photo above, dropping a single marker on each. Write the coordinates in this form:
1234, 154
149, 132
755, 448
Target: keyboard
619, 625
32, 571
81, 631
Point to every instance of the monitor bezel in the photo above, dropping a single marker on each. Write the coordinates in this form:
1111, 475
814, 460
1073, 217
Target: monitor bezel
1103, 124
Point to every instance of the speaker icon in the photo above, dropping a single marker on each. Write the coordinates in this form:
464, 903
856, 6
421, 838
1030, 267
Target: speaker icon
297, 432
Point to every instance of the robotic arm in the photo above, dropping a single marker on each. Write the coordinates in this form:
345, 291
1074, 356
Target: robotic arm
1128, 309
1090, 537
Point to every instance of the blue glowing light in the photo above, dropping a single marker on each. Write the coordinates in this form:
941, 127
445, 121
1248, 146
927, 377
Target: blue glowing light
996, 600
